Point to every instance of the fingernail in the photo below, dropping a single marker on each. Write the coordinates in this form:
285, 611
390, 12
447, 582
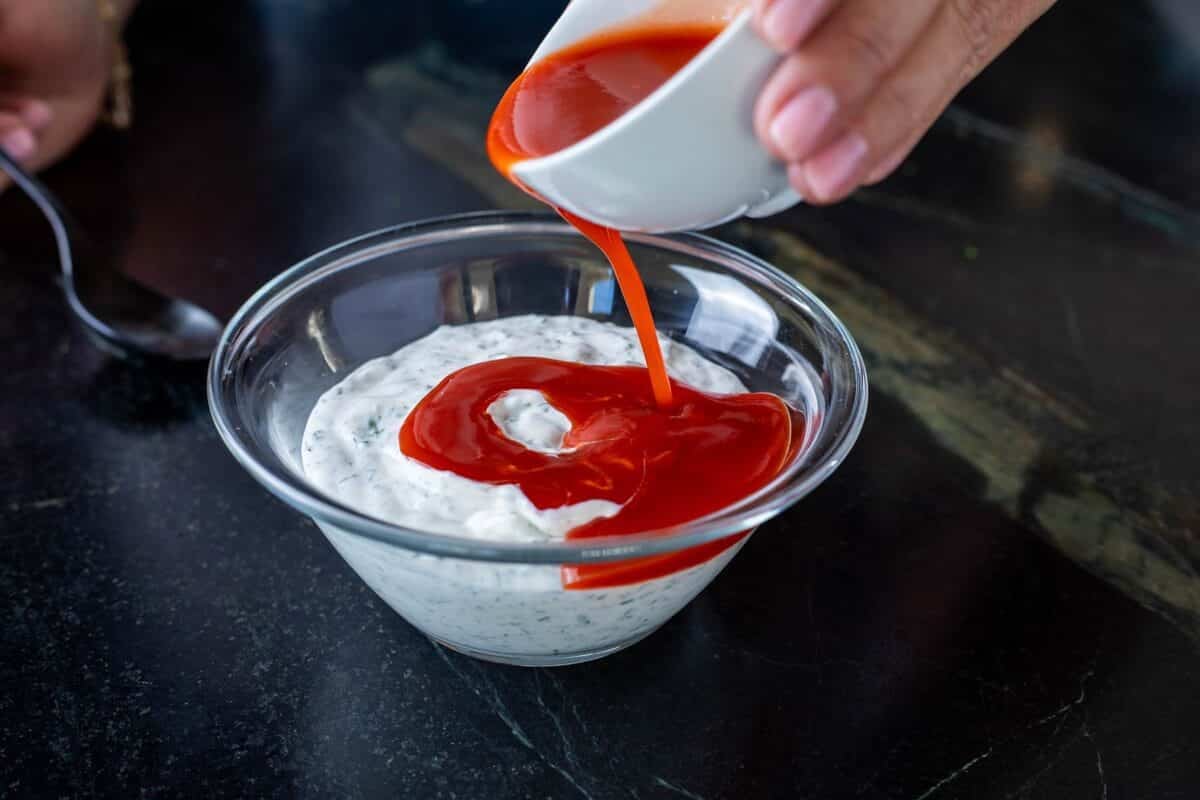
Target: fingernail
833, 171
37, 114
787, 22
19, 143
802, 121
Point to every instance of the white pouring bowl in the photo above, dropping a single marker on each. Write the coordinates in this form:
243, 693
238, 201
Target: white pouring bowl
686, 157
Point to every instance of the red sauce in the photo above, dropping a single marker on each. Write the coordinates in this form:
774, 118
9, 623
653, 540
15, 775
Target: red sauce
613, 246
664, 451
570, 95
664, 466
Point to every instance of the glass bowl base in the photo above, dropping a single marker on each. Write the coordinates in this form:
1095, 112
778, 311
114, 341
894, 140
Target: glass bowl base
542, 660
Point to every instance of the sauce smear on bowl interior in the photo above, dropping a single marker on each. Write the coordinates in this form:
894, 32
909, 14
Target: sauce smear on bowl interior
667, 453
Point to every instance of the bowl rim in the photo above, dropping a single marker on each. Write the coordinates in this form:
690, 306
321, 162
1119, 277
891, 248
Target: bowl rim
804, 475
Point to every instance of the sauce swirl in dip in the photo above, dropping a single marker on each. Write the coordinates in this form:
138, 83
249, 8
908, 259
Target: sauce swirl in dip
349, 451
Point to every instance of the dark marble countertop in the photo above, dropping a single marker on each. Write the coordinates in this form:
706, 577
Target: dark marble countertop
997, 596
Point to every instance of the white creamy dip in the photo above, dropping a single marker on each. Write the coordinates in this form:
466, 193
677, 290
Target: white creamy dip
351, 447
519, 612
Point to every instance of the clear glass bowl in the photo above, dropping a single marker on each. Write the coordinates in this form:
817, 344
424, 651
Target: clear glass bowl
308, 328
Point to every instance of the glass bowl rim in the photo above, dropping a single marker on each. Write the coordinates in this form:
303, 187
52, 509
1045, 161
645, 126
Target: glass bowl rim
800, 479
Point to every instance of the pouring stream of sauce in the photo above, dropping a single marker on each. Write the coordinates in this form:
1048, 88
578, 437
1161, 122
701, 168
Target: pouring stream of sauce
663, 451
570, 95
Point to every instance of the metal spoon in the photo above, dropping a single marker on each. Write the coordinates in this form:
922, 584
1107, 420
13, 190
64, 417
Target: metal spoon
125, 317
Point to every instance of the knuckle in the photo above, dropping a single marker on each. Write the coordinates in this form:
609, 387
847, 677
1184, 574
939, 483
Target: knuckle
977, 21
871, 46
903, 106
898, 113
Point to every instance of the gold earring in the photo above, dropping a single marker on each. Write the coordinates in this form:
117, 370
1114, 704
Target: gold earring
118, 111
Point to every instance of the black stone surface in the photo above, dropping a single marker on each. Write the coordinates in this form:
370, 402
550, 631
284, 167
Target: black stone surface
996, 596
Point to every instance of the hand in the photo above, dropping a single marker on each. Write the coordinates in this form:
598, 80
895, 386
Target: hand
865, 79
56, 57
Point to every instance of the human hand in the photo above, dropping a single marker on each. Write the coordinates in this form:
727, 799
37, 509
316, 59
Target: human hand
56, 57
864, 80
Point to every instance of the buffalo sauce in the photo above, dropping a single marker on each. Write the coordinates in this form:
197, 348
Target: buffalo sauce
664, 452
570, 95
663, 466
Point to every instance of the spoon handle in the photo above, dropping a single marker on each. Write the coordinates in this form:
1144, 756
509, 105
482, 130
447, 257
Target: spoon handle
123, 316
67, 239
50, 208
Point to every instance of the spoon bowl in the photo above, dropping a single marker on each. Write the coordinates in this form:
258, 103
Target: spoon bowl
123, 316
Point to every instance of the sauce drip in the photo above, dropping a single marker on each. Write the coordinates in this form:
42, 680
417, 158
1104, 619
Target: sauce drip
664, 466
570, 95
634, 291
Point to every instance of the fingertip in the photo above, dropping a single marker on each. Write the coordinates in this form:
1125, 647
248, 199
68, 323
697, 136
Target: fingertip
837, 170
37, 114
785, 82
803, 122
876, 177
30, 112
19, 143
886, 168
765, 109
799, 182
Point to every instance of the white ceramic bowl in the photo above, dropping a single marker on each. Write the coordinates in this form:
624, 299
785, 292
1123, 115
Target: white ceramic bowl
686, 157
